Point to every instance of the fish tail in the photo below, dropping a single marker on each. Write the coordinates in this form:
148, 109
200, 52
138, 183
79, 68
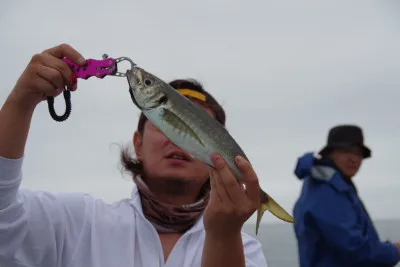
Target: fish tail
260, 212
268, 203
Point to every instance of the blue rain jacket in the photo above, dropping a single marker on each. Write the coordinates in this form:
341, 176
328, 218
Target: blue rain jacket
332, 226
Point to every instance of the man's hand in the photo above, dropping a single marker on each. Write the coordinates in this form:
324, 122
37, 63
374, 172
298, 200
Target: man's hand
230, 205
46, 75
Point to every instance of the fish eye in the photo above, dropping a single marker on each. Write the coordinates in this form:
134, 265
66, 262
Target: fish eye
148, 82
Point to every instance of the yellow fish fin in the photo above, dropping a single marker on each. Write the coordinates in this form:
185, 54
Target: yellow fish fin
271, 205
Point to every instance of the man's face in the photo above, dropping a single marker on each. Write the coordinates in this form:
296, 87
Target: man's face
162, 160
348, 160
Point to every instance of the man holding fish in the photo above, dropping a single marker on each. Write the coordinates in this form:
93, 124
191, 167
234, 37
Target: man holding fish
183, 211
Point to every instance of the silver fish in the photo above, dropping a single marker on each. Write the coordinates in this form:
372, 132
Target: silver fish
191, 128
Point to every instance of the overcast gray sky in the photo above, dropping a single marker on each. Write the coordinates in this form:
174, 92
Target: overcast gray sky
285, 71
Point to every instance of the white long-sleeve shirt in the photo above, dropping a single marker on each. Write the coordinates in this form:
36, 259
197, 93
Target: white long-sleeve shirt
42, 229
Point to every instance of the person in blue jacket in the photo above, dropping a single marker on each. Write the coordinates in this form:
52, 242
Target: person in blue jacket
332, 226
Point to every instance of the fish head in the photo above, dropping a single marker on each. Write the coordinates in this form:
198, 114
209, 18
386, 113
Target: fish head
146, 89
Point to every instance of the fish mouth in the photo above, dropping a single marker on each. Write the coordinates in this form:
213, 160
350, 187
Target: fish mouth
179, 155
134, 77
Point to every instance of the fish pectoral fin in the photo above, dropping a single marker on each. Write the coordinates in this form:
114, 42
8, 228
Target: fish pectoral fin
173, 120
275, 209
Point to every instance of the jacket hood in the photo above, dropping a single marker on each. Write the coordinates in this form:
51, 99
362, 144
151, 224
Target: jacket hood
304, 165
309, 165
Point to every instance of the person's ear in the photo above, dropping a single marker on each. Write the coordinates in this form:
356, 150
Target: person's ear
137, 144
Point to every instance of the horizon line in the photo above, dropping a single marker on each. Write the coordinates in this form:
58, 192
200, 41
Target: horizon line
283, 223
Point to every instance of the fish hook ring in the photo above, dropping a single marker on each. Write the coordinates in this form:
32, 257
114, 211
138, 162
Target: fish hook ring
120, 59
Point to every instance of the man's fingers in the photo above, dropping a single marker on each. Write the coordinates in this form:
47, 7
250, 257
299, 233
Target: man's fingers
250, 179
222, 191
214, 188
46, 87
67, 74
52, 76
227, 179
67, 51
